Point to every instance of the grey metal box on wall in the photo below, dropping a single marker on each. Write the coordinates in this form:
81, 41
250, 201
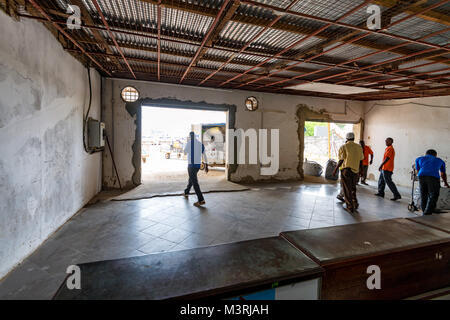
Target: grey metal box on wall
95, 133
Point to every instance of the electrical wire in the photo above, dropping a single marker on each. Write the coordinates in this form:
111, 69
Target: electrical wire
416, 103
87, 113
405, 103
345, 110
86, 118
357, 113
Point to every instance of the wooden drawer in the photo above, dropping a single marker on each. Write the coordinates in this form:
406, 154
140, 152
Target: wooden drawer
403, 274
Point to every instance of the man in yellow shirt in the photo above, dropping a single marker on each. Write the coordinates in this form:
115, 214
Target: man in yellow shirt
350, 158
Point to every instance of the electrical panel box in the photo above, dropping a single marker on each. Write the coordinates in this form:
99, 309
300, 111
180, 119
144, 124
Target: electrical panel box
96, 139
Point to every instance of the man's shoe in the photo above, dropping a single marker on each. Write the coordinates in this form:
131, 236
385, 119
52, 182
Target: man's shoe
349, 210
186, 195
199, 203
379, 195
340, 198
365, 183
396, 198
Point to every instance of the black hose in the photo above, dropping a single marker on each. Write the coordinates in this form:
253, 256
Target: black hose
87, 113
112, 158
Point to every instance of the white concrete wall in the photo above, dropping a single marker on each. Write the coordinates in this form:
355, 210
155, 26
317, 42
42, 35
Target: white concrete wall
415, 125
45, 174
276, 111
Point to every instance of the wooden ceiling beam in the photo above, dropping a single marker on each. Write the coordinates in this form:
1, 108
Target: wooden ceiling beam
87, 18
71, 39
152, 61
223, 22
208, 37
158, 13
99, 11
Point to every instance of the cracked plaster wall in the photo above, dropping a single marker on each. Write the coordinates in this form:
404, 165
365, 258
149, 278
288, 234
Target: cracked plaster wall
416, 125
45, 175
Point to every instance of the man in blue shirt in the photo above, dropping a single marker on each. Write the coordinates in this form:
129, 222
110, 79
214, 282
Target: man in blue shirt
194, 150
428, 168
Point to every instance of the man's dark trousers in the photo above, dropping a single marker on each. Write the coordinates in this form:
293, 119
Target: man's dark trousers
429, 193
349, 179
364, 173
193, 181
386, 178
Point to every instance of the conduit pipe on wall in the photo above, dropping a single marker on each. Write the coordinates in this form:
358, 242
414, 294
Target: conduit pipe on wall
112, 158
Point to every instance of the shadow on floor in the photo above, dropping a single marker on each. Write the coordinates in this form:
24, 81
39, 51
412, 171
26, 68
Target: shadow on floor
119, 229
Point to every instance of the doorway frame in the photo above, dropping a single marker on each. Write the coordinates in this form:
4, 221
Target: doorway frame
354, 123
135, 110
305, 113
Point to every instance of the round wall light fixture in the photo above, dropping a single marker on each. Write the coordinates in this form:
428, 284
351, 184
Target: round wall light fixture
251, 103
129, 94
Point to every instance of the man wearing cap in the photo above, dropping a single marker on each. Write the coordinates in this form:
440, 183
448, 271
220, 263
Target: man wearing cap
429, 167
350, 158
386, 171
195, 150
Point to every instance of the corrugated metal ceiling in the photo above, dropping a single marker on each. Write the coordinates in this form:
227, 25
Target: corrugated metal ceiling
185, 24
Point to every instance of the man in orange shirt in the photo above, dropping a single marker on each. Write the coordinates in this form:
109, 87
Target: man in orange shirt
386, 170
365, 163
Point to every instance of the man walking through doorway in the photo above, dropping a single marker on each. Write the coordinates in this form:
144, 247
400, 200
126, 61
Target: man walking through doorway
195, 150
350, 157
365, 163
386, 170
429, 167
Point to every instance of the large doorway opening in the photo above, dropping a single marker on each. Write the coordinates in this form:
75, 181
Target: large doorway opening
165, 133
322, 143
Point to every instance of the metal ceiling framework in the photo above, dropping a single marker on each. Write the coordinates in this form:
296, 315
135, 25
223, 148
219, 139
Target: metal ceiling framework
260, 45
359, 58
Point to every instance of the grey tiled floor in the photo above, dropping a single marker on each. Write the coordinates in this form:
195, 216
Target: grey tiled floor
111, 230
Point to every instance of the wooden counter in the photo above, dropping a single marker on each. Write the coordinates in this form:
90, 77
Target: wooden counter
437, 221
412, 258
219, 271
